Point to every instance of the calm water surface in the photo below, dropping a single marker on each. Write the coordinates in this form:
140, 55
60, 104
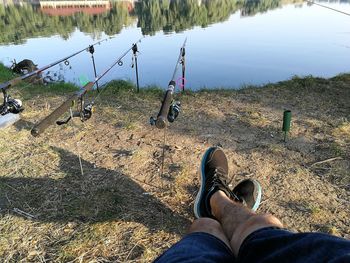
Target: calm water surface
230, 43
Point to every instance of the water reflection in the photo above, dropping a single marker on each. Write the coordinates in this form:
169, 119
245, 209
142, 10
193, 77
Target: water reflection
22, 20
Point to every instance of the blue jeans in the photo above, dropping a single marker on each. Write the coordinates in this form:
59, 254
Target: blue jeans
264, 245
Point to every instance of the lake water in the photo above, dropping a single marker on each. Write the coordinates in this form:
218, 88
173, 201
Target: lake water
229, 43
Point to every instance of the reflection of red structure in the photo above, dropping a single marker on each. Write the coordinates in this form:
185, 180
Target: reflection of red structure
67, 8
92, 7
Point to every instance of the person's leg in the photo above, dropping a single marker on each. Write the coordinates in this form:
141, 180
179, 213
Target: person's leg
215, 200
237, 221
209, 226
205, 242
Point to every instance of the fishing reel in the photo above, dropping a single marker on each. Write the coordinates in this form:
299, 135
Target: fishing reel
173, 113
10, 105
84, 114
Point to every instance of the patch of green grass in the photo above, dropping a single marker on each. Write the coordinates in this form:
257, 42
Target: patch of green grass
116, 87
30, 91
336, 149
66, 256
5, 73
219, 91
342, 77
152, 91
314, 210
128, 121
126, 91
304, 81
247, 87
61, 88
129, 126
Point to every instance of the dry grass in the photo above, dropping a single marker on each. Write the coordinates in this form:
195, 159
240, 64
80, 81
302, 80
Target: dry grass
122, 209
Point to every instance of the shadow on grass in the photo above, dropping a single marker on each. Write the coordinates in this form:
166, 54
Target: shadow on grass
23, 125
97, 196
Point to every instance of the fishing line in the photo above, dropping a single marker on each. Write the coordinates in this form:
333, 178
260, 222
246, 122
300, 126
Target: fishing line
333, 9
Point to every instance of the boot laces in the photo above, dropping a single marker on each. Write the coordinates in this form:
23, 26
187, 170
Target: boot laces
219, 179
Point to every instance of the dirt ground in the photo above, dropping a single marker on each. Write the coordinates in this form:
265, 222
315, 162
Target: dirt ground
123, 208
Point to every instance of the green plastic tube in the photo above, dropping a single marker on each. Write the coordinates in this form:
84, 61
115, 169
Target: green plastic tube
287, 117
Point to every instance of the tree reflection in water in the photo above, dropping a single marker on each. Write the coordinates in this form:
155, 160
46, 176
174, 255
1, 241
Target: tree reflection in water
20, 22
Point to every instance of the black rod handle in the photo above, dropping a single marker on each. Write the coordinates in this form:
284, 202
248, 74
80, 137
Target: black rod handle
52, 118
164, 110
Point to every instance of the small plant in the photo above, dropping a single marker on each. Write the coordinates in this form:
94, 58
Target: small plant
336, 149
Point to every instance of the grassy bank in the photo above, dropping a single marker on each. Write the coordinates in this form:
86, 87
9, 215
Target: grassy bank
122, 209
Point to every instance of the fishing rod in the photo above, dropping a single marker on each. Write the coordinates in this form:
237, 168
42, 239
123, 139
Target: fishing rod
11, 105
84, 111
330, 8
170, 110
17, 80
